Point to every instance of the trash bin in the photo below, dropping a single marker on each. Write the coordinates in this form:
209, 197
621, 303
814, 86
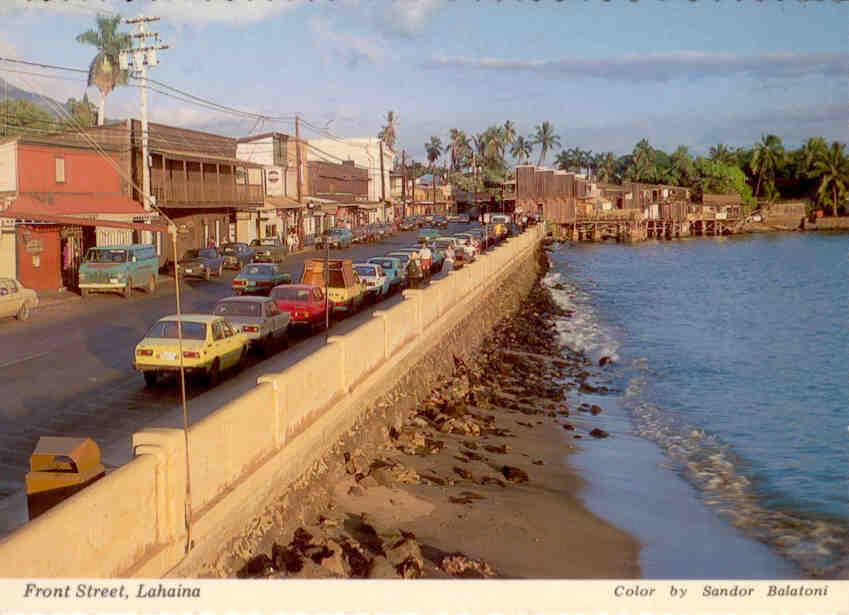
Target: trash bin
59, 467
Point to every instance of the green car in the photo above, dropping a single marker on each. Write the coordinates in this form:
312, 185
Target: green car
259, 279
119, 269
427, 235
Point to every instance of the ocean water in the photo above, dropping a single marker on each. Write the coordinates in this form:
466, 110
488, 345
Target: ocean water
730, 358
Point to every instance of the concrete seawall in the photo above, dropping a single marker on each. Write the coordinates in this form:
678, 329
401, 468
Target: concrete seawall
132, 523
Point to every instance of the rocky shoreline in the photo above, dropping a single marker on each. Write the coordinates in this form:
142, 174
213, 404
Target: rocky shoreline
472, 483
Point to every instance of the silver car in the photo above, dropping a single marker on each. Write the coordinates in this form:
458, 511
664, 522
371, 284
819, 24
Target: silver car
259, 319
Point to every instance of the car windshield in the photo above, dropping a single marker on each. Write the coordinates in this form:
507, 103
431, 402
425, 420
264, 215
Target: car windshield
365, 270
259, 270
191, 254
384, 262
106, 256
336, 231
238, 308
443, 243
290, 294
167, 329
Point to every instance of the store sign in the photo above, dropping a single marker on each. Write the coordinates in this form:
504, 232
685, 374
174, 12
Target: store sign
34, 246
273, 176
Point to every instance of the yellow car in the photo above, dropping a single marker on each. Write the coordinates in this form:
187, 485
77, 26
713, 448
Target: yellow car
344, 288
210, 345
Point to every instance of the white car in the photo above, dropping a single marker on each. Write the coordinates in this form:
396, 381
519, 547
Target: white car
259, 319
375, 279
469, 244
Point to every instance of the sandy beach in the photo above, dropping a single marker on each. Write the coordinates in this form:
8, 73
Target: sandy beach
471, 479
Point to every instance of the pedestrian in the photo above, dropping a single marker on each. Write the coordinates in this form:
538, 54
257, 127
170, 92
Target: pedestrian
448, 263
290, 245
414, 271
427, 260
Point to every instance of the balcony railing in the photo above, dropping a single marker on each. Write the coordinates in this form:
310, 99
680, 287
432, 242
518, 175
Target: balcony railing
206, 192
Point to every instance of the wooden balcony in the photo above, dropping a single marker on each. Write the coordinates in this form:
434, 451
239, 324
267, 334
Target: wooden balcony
211, 181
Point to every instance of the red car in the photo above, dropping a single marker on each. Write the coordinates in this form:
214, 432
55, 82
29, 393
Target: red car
304, 302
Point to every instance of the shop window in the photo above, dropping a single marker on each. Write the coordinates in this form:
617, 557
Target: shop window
60, 170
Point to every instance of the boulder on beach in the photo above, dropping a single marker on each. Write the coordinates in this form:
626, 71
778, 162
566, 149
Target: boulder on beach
514, 475
599, 433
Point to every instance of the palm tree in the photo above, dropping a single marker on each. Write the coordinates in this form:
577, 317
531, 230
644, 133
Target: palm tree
521, 149
547, 140
563, 160
387, 133
721, 153
105, 72
814, 150
508, 132
643, 168
682, 164
767, 156
606, 167
833, 171
585, 160
495, 142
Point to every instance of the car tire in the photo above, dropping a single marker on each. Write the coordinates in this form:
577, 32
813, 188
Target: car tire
220, 271
267, 345
207, 274
286, 339
128, 289
243, 360
213, 375
150, 379
23, 311
151, 285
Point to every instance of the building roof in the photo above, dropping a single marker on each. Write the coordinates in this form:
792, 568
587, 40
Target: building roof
72, 204
205, 157
282, 202
262, 135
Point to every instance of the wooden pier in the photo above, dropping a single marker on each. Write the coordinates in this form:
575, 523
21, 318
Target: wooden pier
627, 226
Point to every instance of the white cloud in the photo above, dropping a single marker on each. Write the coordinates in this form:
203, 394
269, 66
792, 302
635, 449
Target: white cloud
664, 66
350, 48
182, 11
407, 18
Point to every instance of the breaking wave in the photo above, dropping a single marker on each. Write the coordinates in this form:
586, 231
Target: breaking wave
819, 546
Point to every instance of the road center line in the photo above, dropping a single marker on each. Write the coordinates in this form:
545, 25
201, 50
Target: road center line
23, 359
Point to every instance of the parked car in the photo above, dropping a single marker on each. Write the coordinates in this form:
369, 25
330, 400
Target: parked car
304, 303
119, 268
408, 224
376, 282
259, 318
452, 217
424, 262
440, 222
428, 218
345, 290
336, 238
469, 244
393, 268
236, 255
210, 345
268, 250
428, 234
360, 235
202, 263
463, 219
15, 300
443, 243
260, 278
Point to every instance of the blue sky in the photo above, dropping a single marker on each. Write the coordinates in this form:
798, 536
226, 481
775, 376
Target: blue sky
604, 73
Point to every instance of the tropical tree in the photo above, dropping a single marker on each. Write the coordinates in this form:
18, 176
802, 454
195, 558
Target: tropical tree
522, 149
495, 142
584, 159
684, 170
833, 172
24, 117
721, 153
767, 156
814, 150
605, 165
545, 137
82, 113
104, 72
564, 160
433, 149
387, 133
720, 178
643, 168
508, 133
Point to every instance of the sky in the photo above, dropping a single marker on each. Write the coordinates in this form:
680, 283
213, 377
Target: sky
605, 74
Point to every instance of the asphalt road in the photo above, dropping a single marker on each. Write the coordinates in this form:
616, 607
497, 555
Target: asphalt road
68, 370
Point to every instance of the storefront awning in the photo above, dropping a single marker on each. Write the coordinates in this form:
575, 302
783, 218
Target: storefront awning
113, 211
282, 202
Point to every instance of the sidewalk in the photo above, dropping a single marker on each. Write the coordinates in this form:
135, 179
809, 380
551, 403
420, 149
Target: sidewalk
65, 297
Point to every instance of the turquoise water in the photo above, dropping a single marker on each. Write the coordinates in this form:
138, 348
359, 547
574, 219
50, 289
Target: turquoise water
731, 357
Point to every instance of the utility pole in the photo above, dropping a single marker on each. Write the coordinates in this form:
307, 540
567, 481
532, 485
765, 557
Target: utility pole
299, 218
139, 57
403, 184
382, 182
